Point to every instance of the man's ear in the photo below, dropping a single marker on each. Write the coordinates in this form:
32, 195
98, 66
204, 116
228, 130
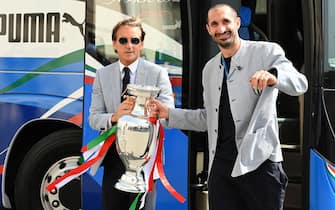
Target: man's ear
207, 27
238, 22
113, 44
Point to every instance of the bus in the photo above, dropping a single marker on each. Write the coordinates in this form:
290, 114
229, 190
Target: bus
50, 51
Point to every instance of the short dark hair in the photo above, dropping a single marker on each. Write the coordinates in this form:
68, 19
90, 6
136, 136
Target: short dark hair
232, 7
133, 22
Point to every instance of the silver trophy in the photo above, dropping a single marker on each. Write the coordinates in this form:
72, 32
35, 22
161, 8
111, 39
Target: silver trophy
135, 139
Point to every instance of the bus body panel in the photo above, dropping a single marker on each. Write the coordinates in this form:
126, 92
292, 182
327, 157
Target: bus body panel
322, 183
41, 75
46, 77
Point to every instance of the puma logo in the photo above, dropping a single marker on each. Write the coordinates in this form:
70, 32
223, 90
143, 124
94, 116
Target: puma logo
69, 19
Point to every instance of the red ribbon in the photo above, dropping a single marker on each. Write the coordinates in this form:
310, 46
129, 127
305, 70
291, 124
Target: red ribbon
160, 168
107, 143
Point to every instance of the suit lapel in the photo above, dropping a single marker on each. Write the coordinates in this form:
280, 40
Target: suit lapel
115, 84
141, 73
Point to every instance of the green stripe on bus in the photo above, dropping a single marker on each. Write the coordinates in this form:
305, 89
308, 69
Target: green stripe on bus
56, 63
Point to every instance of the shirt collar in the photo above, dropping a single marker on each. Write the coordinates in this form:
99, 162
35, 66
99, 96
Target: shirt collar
132, 67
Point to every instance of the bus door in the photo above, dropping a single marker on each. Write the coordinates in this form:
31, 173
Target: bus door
284, 25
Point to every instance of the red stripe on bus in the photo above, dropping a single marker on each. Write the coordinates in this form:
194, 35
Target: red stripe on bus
1, 169
176, 81
331, 168
89, 80
77, 119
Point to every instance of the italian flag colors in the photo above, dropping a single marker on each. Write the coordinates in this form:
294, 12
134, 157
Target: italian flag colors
94, 152
331, 170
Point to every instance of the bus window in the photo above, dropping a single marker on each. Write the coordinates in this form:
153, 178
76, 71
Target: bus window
162, 24
330, 35
326, 142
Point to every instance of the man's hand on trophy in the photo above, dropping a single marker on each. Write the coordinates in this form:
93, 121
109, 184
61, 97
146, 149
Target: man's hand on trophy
158, 109
126, 107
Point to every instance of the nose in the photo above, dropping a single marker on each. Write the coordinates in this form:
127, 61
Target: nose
222, 28
129, 44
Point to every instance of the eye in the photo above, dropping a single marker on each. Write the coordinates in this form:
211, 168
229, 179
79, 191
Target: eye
123, 40
135, 40
213, 24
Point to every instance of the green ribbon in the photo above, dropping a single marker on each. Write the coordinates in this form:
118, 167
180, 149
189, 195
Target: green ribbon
101, 138
134, 203
96, 141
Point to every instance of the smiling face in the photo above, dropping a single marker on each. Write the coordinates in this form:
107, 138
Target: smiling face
222, 26
129, 50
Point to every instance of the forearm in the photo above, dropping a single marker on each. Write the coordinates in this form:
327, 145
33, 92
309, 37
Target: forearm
100, 121
187, 119
290, 81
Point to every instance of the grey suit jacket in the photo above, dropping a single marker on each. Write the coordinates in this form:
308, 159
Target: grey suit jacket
255, 116
106, 91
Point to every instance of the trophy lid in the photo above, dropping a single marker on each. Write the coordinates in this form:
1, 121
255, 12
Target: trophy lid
142, 90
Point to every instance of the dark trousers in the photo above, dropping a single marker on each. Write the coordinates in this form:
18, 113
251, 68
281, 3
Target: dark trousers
113, 199
262, 189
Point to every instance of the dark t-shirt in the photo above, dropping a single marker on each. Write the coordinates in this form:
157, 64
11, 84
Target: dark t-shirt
226, 146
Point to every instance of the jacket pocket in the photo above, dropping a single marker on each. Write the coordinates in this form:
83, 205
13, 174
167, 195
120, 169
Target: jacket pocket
255, 148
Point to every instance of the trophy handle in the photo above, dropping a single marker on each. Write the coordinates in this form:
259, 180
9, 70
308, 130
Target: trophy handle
147, 108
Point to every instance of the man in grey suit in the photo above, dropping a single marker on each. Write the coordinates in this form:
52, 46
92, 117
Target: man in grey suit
240, 88
106, 107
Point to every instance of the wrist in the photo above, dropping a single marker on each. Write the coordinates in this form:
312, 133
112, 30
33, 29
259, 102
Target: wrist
113, 119
167, 114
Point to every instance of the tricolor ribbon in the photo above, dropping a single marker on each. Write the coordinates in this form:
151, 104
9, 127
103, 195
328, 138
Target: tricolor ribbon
158, 162
94, 152
91, 158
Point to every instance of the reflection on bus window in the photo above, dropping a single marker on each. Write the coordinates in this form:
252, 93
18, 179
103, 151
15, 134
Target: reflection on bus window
162, 24
331, 34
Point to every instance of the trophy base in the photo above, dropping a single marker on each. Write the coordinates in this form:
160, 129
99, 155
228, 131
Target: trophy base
131, 183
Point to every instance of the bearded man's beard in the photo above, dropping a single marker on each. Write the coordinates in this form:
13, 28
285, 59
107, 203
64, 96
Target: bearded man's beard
226, 44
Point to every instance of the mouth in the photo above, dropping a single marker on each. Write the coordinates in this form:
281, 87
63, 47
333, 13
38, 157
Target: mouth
223, 36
